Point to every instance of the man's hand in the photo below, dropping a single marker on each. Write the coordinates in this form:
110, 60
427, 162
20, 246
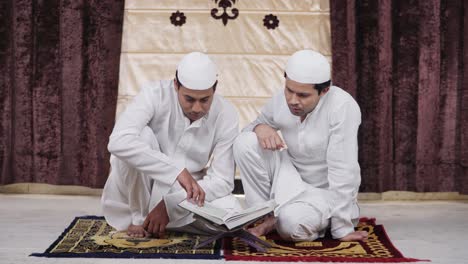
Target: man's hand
156, 221
355, 236
194, 191
268, 137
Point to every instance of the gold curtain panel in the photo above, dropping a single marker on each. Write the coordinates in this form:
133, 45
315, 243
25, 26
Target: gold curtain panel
250, 50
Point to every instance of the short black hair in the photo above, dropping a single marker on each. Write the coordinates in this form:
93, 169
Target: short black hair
319, 86
179, 83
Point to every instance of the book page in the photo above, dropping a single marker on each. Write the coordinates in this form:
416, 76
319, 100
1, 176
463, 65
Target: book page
207, 210
238, 219
250, 210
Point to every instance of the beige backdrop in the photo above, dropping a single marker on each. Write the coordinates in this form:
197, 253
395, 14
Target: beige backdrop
250, 57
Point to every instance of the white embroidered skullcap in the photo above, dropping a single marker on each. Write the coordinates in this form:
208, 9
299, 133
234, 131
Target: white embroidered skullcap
308, 66
196, 71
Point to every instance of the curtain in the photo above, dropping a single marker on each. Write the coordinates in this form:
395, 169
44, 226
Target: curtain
58, 89
406, 63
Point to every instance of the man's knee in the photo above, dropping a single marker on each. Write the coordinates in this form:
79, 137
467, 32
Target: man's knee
298, 222
245, 142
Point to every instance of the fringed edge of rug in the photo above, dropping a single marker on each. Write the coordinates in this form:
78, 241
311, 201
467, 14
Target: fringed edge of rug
372, 220
125, 255
47, 253
323, 259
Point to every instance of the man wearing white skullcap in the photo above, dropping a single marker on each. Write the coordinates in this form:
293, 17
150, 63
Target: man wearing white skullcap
160, 147
315, 179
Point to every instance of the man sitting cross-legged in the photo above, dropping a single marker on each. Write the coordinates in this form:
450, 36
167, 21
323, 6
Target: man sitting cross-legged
160, 147
315, 180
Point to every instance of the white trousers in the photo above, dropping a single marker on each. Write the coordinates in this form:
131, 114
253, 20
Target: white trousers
303, 213
129, 196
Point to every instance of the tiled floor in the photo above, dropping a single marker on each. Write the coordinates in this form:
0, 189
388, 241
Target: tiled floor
426, 230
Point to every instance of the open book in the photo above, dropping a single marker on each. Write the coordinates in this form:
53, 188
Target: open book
230, 219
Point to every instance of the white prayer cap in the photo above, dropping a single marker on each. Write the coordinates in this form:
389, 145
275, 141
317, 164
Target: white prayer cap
196, 71
308, 66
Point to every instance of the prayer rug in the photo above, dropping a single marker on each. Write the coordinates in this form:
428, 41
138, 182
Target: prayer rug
92, 237
377, 248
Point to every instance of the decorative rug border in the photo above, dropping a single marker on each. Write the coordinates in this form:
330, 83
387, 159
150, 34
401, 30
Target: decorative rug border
128, 255
322, 259
371, 221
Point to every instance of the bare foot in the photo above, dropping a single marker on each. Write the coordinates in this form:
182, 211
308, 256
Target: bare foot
355, 236
137, 231
264, 228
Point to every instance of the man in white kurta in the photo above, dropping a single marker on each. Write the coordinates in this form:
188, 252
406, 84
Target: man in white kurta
161, 145
315, 180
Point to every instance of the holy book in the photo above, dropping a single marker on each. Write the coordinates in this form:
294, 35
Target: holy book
230, 219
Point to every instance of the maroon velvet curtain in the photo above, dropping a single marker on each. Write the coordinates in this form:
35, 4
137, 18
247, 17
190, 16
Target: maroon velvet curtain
406, 63
58, 89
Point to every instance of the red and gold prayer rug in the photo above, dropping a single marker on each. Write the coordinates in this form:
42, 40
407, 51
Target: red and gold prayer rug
92, 237
378, 248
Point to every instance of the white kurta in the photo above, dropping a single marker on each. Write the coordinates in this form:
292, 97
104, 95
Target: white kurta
324, 150
157, 161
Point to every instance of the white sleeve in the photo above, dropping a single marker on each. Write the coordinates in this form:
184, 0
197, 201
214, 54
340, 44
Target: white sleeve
219, 179
124, 142
344, 174
265, 117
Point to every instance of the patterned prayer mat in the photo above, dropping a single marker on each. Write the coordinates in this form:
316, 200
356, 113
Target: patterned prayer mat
378, 248
92, 237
